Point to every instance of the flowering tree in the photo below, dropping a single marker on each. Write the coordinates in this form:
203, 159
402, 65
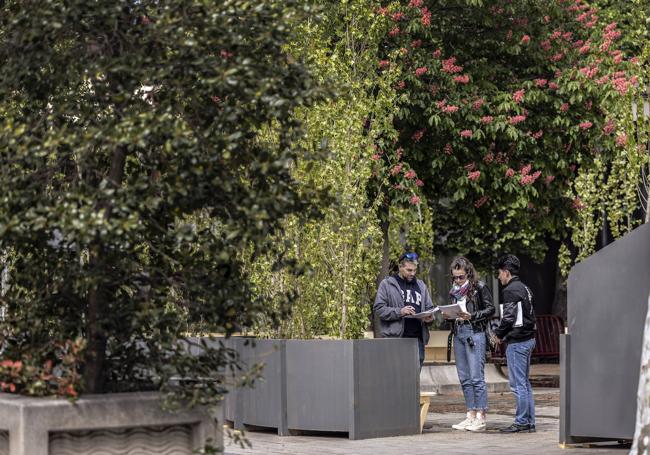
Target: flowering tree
501, 103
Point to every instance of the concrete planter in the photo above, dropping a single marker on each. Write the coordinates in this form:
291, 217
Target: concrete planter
113, 423
367, 388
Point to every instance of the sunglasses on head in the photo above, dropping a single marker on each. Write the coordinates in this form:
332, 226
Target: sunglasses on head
409, 257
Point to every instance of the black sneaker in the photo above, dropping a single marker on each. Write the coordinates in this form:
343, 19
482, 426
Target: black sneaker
516, 428
532, 429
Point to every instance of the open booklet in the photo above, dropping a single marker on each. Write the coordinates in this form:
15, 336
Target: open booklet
422, 315
451, 311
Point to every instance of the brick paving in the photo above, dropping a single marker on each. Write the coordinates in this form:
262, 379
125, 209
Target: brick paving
439, 437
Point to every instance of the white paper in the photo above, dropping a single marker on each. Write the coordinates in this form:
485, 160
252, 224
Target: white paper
422, 315
451, 311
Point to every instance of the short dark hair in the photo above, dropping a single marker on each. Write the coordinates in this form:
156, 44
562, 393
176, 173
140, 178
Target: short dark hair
509, 262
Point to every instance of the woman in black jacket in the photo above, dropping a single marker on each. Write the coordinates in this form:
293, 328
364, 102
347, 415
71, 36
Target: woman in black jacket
475, 300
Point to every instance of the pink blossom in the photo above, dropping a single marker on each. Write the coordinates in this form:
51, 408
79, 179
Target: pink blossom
546, 45
384, 63
416, 43
525, 170
621, 139
540, 82
400, 84
420, 71
538, 134
466, 133
417, 136
510, 172
482, 200
437, 53
518, 96
382, 11
564, 107
394, 32
586, 125
525, 39
634, 60
509, 35
478, 103
473, 176
426, 17
415, 200
396, 169
577, 204
450, 109
547, 19
415, 3
549, 179
225, 54
375, 157
516, 119
448, 149
464, 79
449, 66
553, 86
470, 166
486, 120
410, 174
609, 127
488, 158
419, 182
557, 57
399, 16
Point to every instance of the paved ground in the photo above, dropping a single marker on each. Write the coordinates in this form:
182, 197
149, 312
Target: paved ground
439, 438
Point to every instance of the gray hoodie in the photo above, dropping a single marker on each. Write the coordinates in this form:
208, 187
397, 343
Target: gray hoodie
388, 304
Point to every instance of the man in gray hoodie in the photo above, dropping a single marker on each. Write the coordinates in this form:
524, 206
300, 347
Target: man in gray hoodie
401, 295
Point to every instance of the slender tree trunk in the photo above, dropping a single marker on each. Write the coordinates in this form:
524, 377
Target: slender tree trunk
642, 432
384, 224
95, 358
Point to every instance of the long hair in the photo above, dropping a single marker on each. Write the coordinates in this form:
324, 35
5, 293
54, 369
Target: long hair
464, 264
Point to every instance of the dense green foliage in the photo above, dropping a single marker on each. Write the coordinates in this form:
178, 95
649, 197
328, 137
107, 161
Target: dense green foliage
134, 179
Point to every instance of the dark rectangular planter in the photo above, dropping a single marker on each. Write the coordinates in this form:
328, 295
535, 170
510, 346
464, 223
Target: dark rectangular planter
367, 388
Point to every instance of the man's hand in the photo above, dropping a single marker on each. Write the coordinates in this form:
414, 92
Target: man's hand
407, 310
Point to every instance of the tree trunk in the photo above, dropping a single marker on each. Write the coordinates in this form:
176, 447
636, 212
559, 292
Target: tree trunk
640, 444
95, 355
384, 224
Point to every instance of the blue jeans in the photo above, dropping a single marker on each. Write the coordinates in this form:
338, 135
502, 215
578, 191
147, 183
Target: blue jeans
518, 358
470, 365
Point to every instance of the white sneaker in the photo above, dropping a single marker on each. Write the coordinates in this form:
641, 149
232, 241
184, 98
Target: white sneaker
477, 425
464, 424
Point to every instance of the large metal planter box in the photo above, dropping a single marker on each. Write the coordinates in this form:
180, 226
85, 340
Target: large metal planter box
367, 388
113, 423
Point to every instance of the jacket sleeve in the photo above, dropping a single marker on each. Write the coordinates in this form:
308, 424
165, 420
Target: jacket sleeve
488, 307
510, 300
381, 307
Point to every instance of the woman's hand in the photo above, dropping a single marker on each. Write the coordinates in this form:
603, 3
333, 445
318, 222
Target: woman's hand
465, 316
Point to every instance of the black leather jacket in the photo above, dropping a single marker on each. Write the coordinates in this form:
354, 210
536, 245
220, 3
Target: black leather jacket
479, 305
517, 297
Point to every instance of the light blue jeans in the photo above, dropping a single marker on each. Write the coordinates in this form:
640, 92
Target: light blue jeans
518, 358
470, 365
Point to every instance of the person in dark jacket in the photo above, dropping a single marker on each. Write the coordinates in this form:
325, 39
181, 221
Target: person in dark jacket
469, 340
400, 295
517, 328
